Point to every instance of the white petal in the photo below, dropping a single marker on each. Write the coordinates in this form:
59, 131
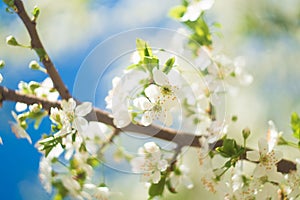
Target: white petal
259, 171
142, 103
153, 92
147, 118
263, 146
162, 165
160, 78
156, 177
80, 124
1, 78
83, 109
121, 118
166, 118
151, 147
252, 155
275, 176
206, 4
20, 107
277, 156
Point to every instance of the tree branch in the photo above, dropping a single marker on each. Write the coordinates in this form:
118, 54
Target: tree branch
38, 47
167, 134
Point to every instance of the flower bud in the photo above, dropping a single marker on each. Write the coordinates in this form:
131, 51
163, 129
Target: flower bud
2, 64
34, 65
10, 40
246, 132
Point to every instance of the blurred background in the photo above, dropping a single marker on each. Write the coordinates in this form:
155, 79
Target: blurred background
265, 33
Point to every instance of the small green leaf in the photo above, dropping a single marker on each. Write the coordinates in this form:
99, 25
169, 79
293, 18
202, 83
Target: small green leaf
92, 161
169, 65
36, 13
140, 46
177, 12
157, 189
295, 125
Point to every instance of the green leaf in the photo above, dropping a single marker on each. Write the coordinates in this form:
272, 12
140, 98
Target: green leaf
157, 189
170, 188
136, 67
92, 161
169, 65
151, 62
140, 47
177, 12
295, 125
229, 148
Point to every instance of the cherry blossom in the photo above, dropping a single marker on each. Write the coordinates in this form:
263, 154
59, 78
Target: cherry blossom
1, 78
267, 159
150, 163
180, 176
195, 8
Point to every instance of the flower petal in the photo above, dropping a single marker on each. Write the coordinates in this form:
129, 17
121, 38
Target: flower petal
20, 107
153, 92
142, 103
160, 78
83, 109
156, 177
252, 155
263, 146
147, 118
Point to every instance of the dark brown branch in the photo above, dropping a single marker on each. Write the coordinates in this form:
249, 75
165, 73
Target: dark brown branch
15, 96
167, 134
37, 45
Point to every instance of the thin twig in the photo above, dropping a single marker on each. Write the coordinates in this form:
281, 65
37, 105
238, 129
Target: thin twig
38, 47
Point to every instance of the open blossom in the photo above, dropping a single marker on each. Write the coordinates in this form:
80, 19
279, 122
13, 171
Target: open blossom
180, 176
118, 97
96, 192
18, 130
159, 99
272, 135
150, 163
195, 8
267, 159
71, 116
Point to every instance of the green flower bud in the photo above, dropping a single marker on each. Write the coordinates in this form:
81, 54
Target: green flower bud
246, 132
2, 64
10, 40
34, 65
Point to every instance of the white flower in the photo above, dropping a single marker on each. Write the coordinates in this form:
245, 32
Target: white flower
179, 176
45, 174
118, 98
20, 107
46, 90
267, 159
150, 163
1, 142
99, 193
1, 78
80, 123
272, 135
18, 130
195, 8
95, 135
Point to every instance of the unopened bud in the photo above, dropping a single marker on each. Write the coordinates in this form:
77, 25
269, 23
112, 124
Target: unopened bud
10, 40
34, 65
2, 64
246, 132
